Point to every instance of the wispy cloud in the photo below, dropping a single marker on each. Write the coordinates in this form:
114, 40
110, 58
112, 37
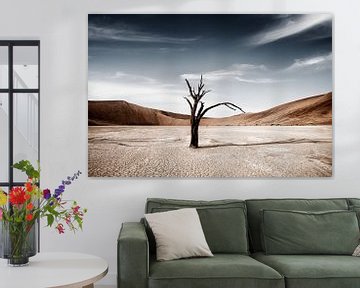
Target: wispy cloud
127, 77
316, 63
257, 80
247, 73
260, 74
136, 88
131, 34
126, 90
290, 26
157, 95
172, 49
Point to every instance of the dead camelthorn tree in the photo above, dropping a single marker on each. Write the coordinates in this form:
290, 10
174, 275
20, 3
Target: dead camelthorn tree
197, 109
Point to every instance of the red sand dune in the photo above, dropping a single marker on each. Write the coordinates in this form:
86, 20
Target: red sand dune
315, 110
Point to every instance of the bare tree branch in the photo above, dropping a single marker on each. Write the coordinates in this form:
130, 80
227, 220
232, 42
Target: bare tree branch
191, 90
200, 85
203, 93
188, 101
230, 105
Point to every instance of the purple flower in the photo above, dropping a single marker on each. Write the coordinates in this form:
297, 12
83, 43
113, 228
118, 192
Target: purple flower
68, 181
46, 194
58, 192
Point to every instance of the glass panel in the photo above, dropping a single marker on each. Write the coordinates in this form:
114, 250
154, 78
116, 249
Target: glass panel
26, 130
5, 189
25, 67
4, 67
4, 137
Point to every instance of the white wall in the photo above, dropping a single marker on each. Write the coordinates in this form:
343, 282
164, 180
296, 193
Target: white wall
62, 28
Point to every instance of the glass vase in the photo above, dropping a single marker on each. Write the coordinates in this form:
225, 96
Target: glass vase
18, 242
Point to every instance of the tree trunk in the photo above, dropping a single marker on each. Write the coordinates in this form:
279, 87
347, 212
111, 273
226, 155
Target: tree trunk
194, 143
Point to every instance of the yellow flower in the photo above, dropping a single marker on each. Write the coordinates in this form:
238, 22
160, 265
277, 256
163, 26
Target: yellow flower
3, 198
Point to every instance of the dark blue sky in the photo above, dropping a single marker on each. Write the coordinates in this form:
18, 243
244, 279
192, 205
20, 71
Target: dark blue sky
256, 61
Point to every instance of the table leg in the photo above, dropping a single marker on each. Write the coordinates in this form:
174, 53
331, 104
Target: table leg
89, 286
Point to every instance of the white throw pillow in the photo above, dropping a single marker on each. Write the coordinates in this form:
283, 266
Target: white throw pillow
357, 251
178, 234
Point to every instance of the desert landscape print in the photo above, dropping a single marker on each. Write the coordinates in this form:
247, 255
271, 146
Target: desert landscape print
210, 95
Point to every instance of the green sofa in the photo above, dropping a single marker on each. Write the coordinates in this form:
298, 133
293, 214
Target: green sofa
234, 232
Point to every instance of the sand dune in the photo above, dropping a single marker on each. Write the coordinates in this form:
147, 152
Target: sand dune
315, 110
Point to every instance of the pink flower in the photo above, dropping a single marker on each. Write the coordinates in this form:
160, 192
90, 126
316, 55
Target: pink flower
68, 219
1, 213
60, 228
76, 209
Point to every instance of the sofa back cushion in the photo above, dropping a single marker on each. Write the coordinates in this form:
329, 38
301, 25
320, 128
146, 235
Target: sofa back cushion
354, 205
298, 232
255, 206
353, 201
223, 221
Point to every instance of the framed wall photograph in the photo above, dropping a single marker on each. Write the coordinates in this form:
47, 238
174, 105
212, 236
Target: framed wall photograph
210, 95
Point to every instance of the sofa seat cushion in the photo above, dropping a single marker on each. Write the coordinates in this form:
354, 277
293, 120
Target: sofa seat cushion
222, 270
313, 271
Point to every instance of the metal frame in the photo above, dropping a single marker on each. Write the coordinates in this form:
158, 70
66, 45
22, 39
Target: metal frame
10, 91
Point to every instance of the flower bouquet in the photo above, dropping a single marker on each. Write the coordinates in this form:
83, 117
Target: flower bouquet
21, 208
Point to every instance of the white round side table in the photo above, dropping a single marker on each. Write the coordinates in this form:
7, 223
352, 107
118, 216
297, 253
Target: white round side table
50, 270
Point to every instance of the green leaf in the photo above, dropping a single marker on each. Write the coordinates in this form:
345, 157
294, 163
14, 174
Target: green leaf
50, 219
28, 168
79, 221
53, 212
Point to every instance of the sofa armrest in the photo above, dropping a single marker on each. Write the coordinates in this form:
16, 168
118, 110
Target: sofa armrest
133, 256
